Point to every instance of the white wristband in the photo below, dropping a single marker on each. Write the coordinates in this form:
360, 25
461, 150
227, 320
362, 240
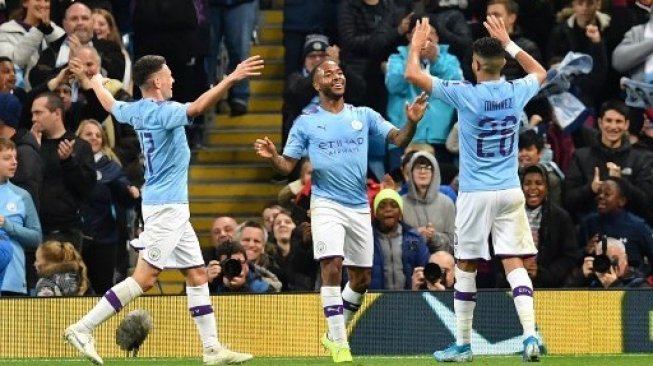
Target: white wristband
512, 49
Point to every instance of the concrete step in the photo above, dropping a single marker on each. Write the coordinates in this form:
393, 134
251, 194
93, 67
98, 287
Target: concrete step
243, 206
203, 223
269, 34
241, 136
268, 52
232, 190
265, 104
228, 155
272, 17
266, 86
250, 120
261, 172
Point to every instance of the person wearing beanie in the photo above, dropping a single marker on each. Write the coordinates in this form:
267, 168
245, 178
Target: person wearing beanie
399, 250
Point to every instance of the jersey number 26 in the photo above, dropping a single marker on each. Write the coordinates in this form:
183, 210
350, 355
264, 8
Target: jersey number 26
505, 129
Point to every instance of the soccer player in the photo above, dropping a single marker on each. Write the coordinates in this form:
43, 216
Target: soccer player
168, 239
491, 200
336, 136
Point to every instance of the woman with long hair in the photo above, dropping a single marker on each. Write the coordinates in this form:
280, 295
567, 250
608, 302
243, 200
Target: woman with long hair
103, 213
105, 27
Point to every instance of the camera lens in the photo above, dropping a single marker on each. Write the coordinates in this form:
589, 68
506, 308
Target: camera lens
231, 268
432, 272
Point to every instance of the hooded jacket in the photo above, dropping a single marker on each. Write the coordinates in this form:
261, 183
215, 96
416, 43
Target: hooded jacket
434, 208
22, 43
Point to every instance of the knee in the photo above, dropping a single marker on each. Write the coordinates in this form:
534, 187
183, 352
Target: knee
146, 283
361, 282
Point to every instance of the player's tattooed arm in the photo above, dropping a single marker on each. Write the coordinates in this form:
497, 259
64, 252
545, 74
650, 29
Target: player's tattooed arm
414, 113
414, 73
265, 148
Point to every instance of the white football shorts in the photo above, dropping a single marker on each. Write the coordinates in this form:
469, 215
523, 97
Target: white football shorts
340, 231
500, 213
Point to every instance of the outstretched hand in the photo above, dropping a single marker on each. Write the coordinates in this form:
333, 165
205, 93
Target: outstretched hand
265, 148
497, 29
421, 34
250, 67
415, 111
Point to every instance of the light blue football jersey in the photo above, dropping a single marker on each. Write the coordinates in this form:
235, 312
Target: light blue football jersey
337, 146
488, 125
160, 130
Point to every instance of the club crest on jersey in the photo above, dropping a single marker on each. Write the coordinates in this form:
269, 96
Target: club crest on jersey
11, 206
356, 125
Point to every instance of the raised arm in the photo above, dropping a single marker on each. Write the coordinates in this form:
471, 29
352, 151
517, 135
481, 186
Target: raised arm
250, 67
414, 73
96, 83
497, 29
265, 148
414, 113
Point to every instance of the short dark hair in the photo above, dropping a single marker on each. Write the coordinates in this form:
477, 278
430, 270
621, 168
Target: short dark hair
530, 138
488, 47
230, 248
53, 102
615, 105
422, 160
145, 67
5, 59
511, 6
621, 184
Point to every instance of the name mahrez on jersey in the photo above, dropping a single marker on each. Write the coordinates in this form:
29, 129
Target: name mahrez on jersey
493, 105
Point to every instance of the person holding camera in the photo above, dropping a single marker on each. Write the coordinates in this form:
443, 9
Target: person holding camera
437, 274
606, 266
233, 273
399, 250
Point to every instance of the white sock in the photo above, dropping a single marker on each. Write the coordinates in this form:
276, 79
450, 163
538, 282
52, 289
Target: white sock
112, 302
522, 293
201, 310
333, 311
464, 302
351, 301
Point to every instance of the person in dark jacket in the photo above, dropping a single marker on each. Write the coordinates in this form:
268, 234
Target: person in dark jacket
398, 248
108, 201
368, 32
250, 279
78, 24
612, 220
552, 228
612, 156
68, 171
584, 31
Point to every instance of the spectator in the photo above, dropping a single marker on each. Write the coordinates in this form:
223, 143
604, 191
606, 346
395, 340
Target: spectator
445, 263
531, 148
6, 254
267, 217
61, 270
552, 229
613, 220
104, 210
233, 20
223, 230
398, 248
283, 251
34, 32
68, 172
368, 33
631, 55
451, 23
8, 78
612, 156
584, 31
618, 274
253, 237
29, 172
425, 208
78, 25
105, 27
437, 61
250, 278
19, 222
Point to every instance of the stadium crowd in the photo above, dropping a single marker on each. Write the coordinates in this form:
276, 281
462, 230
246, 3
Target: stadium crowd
71, 175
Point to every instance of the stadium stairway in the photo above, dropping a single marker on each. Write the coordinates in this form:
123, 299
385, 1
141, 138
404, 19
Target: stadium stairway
226, 176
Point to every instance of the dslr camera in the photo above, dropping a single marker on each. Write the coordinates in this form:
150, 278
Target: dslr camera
231, 268
433, 273
603, 263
